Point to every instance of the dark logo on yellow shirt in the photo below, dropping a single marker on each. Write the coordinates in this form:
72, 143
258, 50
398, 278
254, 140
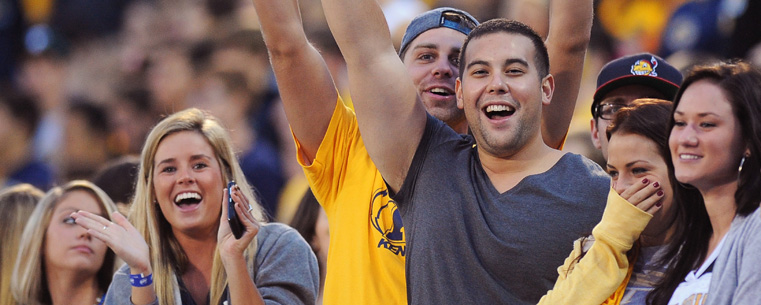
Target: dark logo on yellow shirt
386, 219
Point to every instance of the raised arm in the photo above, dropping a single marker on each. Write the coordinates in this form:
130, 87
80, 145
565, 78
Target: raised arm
569, 33
390, 117
306, 88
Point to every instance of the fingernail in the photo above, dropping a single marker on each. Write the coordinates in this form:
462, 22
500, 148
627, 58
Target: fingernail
658, 204
656, 185
660, 193
645, 181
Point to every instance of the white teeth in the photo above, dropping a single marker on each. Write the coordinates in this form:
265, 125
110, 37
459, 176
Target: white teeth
688, 157
492, 108
183, 196
439, 90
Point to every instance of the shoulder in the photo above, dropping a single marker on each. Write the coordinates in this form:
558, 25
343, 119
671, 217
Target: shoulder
280, 236
748, 227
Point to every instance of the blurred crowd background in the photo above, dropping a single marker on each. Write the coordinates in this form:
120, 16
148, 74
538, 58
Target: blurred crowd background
83, 81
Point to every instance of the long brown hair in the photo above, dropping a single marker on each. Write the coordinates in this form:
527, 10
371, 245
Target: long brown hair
741, 84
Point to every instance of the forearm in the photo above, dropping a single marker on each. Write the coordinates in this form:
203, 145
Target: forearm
308, 104
569, 34
389, 115
602, 269
241, 287
142, 295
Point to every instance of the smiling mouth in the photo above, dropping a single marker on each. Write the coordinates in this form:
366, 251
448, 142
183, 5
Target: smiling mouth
187, 199
499, 111
441, 92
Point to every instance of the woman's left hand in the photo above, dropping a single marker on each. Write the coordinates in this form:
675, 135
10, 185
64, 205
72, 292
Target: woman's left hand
229, 246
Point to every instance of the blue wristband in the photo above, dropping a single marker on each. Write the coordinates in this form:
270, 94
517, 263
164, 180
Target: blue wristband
138, 280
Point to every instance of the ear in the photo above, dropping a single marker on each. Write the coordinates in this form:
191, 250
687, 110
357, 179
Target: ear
548, 87
594, 134
458, 93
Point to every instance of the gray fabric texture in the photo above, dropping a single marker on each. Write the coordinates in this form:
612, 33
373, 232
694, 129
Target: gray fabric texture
736, 275
469, 244
285, 271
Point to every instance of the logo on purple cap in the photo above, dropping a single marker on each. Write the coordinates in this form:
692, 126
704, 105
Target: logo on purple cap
644, 67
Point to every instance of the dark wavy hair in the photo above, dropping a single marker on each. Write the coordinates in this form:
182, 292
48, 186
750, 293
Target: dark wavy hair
741, 84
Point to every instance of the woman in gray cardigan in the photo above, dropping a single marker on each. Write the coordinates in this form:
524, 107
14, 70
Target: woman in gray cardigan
179, 247
715, 144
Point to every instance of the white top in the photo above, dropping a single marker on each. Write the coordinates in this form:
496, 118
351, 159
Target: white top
694, 288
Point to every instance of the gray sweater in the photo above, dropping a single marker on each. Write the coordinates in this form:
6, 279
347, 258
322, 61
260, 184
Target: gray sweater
285, 270
736, 275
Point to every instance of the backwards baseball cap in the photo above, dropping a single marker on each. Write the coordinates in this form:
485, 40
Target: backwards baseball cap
447, 17
640, 69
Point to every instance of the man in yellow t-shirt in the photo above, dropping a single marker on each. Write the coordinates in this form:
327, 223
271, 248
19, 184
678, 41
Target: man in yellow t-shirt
367, 243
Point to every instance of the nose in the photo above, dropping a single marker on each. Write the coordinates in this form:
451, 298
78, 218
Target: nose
186, 177
497, 85
443, 68
83, 234
622, 183
686, 136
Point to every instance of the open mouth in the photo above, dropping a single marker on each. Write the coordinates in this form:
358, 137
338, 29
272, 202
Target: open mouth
498, 111
187, 199
443, 92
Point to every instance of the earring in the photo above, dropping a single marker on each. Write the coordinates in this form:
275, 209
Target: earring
740, 169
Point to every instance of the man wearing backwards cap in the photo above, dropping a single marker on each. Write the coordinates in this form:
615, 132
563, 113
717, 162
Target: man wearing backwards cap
367, 244
625, 79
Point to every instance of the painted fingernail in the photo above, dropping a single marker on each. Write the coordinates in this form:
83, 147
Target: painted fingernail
660, 193
656, 185
645, 181
659, 204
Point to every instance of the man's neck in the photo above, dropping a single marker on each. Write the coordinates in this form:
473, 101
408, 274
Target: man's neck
506, 172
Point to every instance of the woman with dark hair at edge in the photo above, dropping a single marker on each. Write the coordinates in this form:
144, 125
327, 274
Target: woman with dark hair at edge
715, 145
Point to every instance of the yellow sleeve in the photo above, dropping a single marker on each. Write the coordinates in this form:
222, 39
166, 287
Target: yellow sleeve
595, 277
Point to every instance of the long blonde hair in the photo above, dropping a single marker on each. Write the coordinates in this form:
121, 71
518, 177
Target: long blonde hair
17, 203
168, 259
29, 283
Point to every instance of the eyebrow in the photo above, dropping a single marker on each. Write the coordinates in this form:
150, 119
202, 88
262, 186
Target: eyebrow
702, 114
426, 46
508, 62
630, 164
616, 100
519, 61
192, 158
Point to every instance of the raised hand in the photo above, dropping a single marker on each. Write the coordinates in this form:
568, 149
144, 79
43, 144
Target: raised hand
120, 236
645, 196
229, 246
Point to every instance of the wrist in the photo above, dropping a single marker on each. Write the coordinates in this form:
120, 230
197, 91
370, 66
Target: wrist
141, 279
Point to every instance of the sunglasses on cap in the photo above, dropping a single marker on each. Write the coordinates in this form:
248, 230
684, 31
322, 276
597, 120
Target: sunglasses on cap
456, 21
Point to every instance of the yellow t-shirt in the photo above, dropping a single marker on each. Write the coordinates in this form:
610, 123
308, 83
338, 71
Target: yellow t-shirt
367, 243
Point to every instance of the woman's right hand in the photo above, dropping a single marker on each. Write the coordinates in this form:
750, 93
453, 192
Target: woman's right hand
120, 236
645, 195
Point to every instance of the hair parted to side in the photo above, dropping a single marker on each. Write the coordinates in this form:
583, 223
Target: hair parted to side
30, 285
647, 117
167, 257
741, 84
17, 203
501, 25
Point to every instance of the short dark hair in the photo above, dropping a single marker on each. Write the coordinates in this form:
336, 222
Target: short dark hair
541, 56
